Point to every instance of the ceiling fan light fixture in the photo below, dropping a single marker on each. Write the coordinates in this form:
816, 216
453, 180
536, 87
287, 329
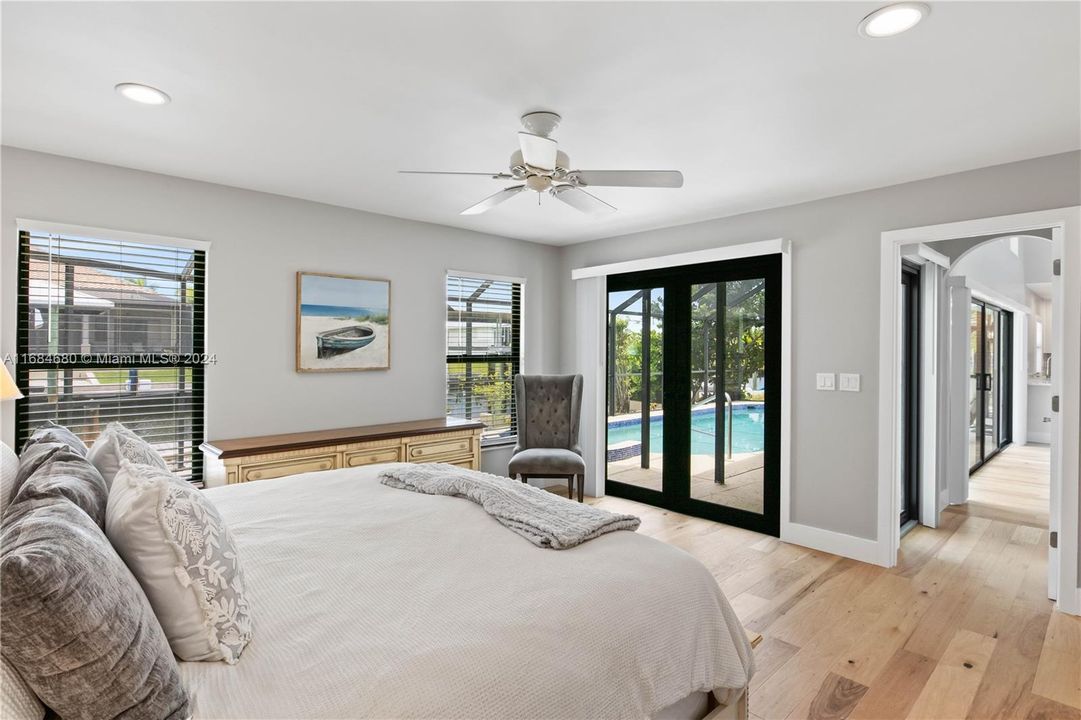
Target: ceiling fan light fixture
143, 94
540, 166
539, 183
893, 19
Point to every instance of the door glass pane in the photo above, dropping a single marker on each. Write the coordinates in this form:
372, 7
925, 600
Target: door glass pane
636, 386
975, 382
728, 342
906, 427
991, 358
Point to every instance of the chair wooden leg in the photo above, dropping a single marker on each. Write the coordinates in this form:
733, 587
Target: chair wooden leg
523, 477
581, 479
570, 487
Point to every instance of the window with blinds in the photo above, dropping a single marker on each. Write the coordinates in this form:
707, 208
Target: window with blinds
484, 320
112, 331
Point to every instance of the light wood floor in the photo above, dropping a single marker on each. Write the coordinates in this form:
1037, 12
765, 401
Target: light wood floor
960, 628
1012, 486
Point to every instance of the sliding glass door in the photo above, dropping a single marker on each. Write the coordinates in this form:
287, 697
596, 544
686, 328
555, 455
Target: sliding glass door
693, 390
990, 381
636, 386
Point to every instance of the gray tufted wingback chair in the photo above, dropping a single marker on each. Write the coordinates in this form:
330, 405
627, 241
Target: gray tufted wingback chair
549, 410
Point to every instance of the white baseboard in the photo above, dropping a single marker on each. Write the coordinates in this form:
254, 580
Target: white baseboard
849, 546
1039, 437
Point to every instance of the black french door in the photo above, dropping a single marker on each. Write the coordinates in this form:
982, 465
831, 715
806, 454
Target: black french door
693, 390
990, 381
910, 393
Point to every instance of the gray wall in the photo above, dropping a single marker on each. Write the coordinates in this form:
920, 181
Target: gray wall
957, 247
259, 241
835, 270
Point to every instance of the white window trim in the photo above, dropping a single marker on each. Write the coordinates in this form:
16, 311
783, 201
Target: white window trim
726, 252
53, 228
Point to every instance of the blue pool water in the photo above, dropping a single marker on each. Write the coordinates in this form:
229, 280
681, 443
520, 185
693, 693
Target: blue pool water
748, 430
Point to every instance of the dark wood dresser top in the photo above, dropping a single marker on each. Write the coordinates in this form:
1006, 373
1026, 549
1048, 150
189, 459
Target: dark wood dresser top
241, 447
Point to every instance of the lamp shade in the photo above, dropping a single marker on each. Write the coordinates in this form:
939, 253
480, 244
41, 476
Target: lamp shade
8, 391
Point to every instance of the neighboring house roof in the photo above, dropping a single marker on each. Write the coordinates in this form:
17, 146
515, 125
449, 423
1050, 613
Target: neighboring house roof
93, 288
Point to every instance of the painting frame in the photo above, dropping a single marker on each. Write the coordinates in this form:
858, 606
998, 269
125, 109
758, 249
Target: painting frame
301, 361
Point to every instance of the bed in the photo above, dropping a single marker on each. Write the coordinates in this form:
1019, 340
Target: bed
374, 602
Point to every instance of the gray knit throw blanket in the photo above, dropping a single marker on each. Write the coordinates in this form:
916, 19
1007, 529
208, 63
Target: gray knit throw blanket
544, 519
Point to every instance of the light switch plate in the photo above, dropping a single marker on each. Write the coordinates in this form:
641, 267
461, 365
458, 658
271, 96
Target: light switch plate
850, 382
825, 381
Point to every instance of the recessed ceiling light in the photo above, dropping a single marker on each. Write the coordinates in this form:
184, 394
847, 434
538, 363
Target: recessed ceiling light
144, 94
893, 19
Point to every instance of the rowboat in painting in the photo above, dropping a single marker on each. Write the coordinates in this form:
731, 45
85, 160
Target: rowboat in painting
339, 340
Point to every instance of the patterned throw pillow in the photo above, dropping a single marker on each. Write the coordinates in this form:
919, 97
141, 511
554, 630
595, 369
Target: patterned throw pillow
116, 444
179, 549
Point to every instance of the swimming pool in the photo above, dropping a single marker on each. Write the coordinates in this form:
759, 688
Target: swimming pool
748, 430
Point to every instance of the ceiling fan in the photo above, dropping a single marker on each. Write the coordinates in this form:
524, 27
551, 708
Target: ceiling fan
541, 166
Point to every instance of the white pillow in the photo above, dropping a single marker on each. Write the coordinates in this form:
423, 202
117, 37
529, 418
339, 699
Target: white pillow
116, 444
177, 546
9, 468
17, 701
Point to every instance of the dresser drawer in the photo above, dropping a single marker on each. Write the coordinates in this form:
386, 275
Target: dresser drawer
466, 463
371, 456
439, 449
291, 466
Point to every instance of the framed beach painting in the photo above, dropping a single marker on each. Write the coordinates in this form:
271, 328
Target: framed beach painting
343, 323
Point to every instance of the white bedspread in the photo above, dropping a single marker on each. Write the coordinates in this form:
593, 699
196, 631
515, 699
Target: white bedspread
373, 602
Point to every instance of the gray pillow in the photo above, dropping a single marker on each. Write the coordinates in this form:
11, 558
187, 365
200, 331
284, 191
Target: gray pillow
55, 470
76, 625
50, 432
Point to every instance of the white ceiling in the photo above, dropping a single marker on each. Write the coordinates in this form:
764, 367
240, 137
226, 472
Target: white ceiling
759, 104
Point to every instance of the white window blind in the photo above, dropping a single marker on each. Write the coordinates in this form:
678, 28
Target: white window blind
484, 319
112, 330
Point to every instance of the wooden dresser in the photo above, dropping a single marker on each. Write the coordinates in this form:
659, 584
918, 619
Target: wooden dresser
448, 440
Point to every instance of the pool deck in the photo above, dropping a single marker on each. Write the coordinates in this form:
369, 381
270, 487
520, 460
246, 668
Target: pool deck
742, 488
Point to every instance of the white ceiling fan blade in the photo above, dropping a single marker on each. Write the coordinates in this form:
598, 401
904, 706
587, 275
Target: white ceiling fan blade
492, 200
581, 200
630, 178
538, 151
493, 175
